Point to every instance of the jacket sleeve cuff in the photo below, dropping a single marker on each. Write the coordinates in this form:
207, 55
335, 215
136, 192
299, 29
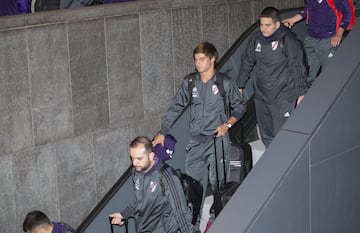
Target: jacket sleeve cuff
126, 213
344, 25
303, 13
238, 115
301, 90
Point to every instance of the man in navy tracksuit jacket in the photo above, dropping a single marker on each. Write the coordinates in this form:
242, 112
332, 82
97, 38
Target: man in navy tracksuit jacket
280, 72
160, 205
325, 31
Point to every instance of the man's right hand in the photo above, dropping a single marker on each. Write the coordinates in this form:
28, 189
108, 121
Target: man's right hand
116, 218
289, 22
159, 138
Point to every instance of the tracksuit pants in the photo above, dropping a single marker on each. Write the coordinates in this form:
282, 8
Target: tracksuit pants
200, 161
318, 51
270, 118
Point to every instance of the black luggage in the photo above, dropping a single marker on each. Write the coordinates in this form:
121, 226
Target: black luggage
240, 161
193, 191
223, 194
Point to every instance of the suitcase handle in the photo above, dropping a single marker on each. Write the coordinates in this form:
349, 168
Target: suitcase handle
112, 225
223, 159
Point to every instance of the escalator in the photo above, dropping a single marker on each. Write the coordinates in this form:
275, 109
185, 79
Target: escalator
122, 192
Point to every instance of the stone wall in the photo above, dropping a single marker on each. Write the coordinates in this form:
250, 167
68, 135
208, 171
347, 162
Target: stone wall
77, 85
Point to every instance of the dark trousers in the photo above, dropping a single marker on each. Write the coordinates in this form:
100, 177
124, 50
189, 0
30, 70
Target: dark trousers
318, 52
200, 161
270, 118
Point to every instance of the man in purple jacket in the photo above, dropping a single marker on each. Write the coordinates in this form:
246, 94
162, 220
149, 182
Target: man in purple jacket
13, 7
324, 34
36, 222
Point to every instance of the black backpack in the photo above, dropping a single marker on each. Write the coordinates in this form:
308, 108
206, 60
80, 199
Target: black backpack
193, 191
192, 188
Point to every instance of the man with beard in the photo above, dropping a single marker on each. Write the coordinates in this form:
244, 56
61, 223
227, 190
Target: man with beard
160, 205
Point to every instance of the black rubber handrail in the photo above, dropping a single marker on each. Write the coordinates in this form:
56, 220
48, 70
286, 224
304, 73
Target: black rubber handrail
103, 202
111, 193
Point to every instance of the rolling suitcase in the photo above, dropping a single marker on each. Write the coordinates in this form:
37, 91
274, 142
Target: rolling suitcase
222, 195
240, 161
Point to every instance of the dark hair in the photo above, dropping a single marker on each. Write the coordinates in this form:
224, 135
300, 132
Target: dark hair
33, 219
142, 140
206, 48
271, 12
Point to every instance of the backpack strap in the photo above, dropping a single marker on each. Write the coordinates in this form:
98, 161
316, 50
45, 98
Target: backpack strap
162, 186
165, 173
191, 80
282, 45
219, 83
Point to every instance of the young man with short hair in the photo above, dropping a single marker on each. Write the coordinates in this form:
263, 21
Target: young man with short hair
202, 92
280, 72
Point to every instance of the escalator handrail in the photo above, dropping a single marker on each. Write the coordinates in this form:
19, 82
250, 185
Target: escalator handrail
103, 202
115, 188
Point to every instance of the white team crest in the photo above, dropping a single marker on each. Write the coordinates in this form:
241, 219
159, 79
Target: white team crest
137, 184
169, 152
274, 45
195, 92
214, 89
258, 47
152, 186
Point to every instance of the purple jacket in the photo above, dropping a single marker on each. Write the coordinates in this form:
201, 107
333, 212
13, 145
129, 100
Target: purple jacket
13, 7
165, 152
23, 6
321, 18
